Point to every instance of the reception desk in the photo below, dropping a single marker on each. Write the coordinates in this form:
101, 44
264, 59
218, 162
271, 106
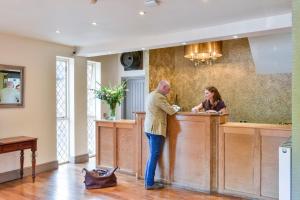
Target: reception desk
189, 154
189, 157
202, 152
116, 145
248, 159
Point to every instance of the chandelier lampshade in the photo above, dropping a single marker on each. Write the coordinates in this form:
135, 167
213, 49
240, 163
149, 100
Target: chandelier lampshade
203, 53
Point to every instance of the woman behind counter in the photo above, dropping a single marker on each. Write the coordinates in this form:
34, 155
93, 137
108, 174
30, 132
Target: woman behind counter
212, 103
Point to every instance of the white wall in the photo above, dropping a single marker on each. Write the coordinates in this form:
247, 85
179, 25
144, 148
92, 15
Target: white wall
112, 72
37, 118
271, 52
78, 113
109, 75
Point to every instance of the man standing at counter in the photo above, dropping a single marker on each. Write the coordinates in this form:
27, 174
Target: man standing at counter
155, 129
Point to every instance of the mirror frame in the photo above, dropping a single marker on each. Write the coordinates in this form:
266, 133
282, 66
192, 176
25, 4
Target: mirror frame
22, 75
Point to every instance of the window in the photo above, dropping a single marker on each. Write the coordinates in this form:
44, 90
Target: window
93, 105
62, 110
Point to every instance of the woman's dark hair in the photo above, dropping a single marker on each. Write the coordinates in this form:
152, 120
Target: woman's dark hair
214, 90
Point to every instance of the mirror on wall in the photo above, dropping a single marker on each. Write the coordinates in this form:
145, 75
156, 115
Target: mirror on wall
11, 86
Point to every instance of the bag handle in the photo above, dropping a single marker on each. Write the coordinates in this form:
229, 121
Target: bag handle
84, 170
113, 171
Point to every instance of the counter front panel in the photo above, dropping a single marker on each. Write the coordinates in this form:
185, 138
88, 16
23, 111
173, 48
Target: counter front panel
248, 159
202, 152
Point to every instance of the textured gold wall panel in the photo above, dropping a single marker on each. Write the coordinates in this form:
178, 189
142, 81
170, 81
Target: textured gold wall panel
261, 98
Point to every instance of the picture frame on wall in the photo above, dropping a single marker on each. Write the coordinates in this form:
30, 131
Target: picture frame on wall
11, 86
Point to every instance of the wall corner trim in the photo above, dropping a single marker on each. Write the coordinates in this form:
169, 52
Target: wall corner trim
15, 174
80, 158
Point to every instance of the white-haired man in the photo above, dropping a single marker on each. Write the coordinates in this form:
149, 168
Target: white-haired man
9, 94
155, 128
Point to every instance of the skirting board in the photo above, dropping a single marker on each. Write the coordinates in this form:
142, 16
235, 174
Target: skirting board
121, 171
80, 159
15, 174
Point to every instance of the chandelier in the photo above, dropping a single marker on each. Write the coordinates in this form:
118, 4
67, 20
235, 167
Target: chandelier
93, 1
203, 53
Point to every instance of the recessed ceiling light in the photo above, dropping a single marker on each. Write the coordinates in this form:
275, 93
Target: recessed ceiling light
94, 23
110, 52
183, 43
142, 13
143, 48
57, 31
235, 36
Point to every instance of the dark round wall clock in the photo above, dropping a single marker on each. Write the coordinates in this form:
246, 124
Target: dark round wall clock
132, 60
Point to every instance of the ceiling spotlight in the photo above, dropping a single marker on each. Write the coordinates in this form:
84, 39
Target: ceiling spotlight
142, 13
57, 31
183, 43
94, 23
143, 48
235, 36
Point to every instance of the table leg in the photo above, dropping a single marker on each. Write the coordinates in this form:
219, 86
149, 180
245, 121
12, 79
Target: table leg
33, 165
21, 163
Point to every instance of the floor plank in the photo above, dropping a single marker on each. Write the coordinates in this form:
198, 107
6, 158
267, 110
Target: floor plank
66, 183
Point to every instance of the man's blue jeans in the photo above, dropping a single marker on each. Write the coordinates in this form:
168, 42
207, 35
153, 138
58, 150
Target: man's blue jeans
155, 145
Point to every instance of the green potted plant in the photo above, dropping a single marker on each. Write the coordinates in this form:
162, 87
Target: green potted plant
113, 96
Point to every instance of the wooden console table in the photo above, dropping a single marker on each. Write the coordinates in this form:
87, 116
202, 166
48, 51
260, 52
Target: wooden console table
20, 144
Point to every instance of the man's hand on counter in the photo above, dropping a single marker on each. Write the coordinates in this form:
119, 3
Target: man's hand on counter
195, 110
177, 108
211, 111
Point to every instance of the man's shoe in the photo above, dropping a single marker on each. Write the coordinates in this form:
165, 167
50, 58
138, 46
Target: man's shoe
155, 186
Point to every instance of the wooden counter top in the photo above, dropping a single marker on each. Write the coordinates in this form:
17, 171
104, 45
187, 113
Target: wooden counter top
257, 125
193, 114
199, 114
124, 121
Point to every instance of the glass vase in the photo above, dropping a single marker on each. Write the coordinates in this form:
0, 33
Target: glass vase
112, 112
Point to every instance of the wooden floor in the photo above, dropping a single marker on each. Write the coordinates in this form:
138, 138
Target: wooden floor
66, 183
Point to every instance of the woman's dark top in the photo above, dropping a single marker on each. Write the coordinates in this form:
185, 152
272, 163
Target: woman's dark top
217, 107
